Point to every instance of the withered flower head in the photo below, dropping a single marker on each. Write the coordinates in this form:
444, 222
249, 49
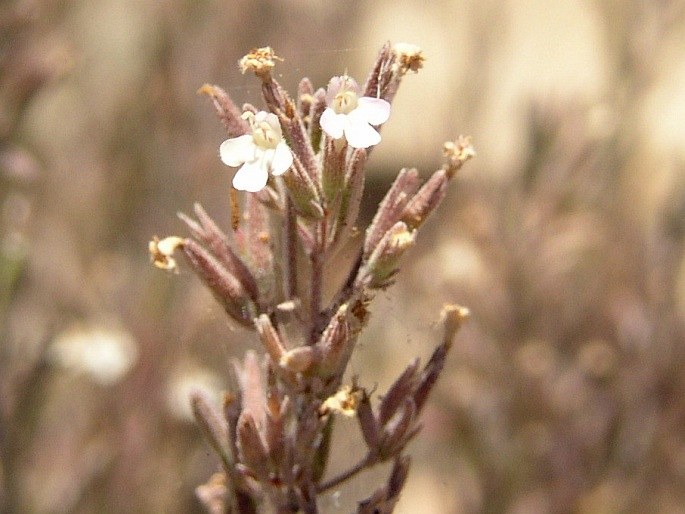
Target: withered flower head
458, 152
162, 251
259, 60
409, 57
344, 402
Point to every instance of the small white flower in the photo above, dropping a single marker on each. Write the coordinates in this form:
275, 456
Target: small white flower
258, 153
351, 116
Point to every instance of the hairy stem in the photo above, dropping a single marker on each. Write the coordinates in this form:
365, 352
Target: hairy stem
289, 251
317, 261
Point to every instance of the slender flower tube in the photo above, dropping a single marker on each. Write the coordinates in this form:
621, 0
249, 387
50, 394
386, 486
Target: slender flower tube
349, 115
258, 153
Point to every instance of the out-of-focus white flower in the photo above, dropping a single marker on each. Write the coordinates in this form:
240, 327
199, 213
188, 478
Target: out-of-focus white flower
258, 153
349, 115
105, 354
184, 382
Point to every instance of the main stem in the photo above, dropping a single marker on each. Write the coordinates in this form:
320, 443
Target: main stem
289, 251
317, 258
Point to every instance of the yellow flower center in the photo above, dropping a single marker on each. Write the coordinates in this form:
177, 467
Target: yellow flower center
263, 133
265, 136
345, 101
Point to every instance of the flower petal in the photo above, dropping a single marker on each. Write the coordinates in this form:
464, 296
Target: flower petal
332, 123
282, 159
359, 133
235, 151
251, 177
375, 110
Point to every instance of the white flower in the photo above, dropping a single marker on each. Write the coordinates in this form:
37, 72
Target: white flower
106, 354
259, 153
351, 116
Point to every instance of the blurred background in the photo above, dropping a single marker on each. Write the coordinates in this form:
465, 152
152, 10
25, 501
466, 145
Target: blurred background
565, 393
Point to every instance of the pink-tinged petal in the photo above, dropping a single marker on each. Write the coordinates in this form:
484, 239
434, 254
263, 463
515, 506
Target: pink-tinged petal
251, 177
282, 159
375, 110
234, 152
360, 134
332, 124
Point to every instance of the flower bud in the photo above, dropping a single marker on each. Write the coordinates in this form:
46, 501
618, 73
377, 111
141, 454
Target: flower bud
270, 338
383, 261
212, 424
335, 343
251, 447
426, 199
299, 360
351, 197
225, 287
390, 209
228, 112
303, 192
401, 389
368, 422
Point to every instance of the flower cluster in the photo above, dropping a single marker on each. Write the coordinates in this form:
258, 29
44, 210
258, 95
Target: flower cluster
346, 115
303, 163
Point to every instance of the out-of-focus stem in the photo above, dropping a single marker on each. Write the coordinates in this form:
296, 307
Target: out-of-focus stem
366, 462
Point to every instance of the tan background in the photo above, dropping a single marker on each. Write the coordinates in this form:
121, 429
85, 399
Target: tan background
564, 237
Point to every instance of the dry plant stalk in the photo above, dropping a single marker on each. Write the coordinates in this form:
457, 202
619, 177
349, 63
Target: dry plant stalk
302, 167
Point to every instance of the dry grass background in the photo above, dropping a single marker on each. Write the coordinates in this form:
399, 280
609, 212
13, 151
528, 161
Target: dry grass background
564, 237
